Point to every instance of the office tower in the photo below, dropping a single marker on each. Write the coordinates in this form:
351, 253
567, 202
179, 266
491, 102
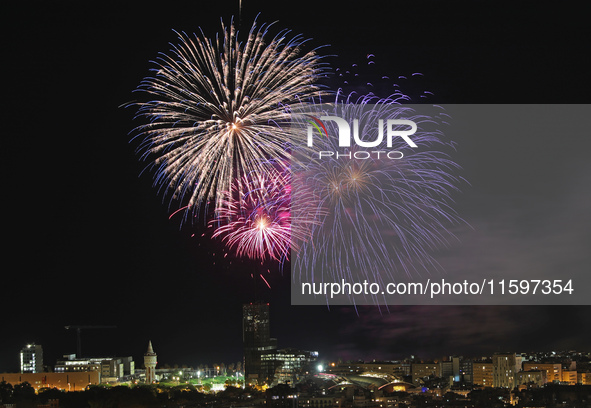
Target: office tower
32, 359
150, 361
257, 341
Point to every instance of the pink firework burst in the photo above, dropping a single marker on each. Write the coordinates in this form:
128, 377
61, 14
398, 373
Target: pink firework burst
254, 219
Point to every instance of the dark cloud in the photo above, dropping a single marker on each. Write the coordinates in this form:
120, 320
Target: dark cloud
435, 331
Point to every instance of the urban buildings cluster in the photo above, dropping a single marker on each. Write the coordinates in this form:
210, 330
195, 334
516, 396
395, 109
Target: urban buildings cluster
264, 363
74, 373
292, 378
501, 370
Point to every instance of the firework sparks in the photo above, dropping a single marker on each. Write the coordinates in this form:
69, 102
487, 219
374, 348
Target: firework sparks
219, 111
257, 218
254, 218
382, 218
219, 134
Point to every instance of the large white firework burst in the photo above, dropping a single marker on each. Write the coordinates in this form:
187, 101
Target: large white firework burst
220, 109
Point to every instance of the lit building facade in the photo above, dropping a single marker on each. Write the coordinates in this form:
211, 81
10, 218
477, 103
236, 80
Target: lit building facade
569, 377
532, 377
395, 369
505, 367
320, 402
69, 363
289, 364
420, 371
32, 359
73, 381
482, 373
110, 369
553, 371
583, 378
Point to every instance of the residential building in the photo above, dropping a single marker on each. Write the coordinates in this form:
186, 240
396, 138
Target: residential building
482, 373
422, 371
531, 377
505, 366
553, 370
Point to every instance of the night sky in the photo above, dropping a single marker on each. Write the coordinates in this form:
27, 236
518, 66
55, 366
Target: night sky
89, 240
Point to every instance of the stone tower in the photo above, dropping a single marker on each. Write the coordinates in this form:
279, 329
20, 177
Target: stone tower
150, 361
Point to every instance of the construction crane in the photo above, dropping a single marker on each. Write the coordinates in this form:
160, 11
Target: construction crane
78, 341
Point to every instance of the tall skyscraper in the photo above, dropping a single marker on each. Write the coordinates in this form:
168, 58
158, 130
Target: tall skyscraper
257, 341
32, 359
150, 361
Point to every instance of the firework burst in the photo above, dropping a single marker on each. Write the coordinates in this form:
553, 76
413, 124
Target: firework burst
255, 218
381, 218
219, 111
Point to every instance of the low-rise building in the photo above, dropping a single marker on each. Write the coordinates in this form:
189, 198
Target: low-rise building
393, 368
553, 370
569, 377
584, 378
71, 381
109, 368
421, 371
532, 377
319, 402
289, 365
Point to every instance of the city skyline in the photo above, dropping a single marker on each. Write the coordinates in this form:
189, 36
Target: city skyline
93, 243
260, 352
374, 351
264, 365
